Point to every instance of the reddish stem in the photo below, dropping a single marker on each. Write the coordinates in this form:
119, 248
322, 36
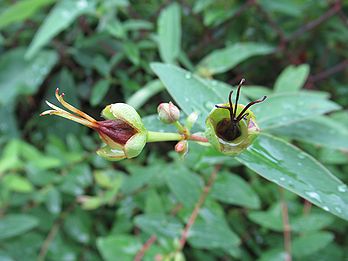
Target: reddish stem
197, 138
286, 226
198, 206
144, 248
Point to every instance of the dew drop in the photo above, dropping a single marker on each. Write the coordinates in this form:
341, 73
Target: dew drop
338, 210
314, 195
282, 179
342, 188
188, 76
82, 4
214, 83
326, 208
301, 156
299, 164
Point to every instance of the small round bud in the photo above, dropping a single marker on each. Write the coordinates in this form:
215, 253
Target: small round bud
182, 147
168, 112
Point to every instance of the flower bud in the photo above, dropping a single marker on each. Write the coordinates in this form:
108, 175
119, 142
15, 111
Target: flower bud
168, 112
182, 147
231, 129
122, 131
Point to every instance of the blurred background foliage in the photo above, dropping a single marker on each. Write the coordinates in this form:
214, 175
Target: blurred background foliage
60, 201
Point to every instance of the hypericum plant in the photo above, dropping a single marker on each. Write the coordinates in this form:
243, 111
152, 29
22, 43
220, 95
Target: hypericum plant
229, 130
228, 127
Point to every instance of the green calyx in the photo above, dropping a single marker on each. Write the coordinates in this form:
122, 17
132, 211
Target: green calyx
131, 133
231, 128
248, 130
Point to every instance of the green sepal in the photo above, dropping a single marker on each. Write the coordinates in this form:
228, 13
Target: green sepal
248, 127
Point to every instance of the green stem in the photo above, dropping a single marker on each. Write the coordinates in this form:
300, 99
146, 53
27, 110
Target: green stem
154, 136
180, 128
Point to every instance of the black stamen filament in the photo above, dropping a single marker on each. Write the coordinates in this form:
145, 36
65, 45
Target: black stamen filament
228, 129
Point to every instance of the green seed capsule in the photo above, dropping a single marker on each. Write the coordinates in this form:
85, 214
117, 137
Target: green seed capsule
231, 129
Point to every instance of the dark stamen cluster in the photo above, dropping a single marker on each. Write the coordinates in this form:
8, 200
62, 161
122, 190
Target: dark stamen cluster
228, 129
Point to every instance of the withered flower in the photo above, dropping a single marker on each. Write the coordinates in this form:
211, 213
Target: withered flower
231, 129
122, 131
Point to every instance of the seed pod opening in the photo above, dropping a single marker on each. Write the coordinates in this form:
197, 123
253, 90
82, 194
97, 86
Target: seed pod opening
232, 128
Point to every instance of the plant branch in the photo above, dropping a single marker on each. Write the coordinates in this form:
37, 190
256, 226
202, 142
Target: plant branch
198, 206
286, 226
312, 24
53, 232
154, 136
145, 247
327, 73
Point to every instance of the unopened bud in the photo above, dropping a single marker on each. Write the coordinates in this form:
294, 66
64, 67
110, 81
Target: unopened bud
182, 147
168, 112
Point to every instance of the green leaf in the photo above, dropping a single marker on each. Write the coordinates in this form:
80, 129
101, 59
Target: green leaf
311, 222
21, 10
99, 91
122, 247
222, 60
160, 225
271, 219
132, 52
311, 243
295, 170
185, 185
16, 224
32, 73
255, 92
53, 201
140, 97
59, 18
169, 33
320, 130
292, 78
212, 231
17, 183
78, 226
230, 188
286, 109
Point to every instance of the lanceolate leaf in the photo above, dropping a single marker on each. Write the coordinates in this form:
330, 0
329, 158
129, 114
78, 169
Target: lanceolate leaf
292, 78
320, 130
295, 170
286, 109
222, 60
61, 16
169, 33
21, 10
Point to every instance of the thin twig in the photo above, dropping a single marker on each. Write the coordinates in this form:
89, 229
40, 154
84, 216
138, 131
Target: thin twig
312, 24
286, 226
53, 232
327, 73
144, 248
307, 207
198, 206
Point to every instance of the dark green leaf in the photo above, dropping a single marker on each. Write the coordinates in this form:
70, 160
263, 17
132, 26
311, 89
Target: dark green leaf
59, 18
295, 170
222, 60
292, 78
16, 224
230, 188
99, 91
169, 33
